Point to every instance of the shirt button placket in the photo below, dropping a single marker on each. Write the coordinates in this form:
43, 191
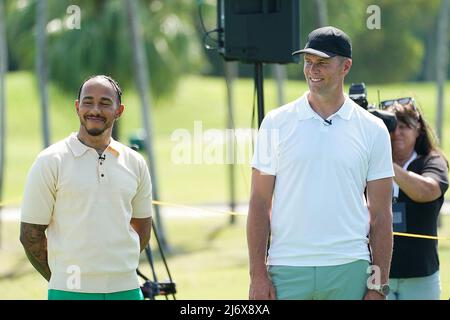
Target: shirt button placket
102, 171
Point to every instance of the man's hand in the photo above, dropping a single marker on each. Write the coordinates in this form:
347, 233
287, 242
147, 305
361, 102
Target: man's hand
373, 295
262, 289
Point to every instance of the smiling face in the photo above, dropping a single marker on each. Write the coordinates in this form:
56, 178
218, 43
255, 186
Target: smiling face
325, 75
98, 107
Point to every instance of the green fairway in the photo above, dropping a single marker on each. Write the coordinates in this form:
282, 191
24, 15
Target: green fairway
203, 266
197, 99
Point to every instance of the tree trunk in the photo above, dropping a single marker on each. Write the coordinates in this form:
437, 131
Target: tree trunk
41, 66
231, 71
3, 71
115, 134
142, 81
441, 64
429, 65
279, 73
322, 13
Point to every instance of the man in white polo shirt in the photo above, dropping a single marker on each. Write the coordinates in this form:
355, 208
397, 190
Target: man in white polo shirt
92, 195
313, 160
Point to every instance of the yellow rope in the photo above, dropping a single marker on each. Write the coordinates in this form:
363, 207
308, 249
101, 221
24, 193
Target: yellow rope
161, 203
412, 235
10, 202
170, 204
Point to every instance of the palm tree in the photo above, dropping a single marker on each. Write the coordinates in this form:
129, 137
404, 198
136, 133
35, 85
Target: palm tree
41, 66
100, 46
142, 81
442, 64
3, 70
322, 13
231, 73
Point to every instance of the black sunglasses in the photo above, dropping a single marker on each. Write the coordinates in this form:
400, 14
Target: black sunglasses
403, 101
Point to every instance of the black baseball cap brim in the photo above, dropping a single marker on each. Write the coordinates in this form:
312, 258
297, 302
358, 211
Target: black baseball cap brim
323, 54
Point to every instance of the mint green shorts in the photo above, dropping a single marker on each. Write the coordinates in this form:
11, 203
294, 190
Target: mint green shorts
341, 282
134, 294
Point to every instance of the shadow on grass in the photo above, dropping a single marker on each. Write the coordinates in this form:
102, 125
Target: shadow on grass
194, 245
18, 270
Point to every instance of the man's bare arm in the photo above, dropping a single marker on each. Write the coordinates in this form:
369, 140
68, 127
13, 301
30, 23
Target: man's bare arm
379, 198
258, 227
143, 228
34, 241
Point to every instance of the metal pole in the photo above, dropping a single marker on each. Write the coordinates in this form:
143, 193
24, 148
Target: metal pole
142, 81
259, 79
441, 65
3, 71
41, 66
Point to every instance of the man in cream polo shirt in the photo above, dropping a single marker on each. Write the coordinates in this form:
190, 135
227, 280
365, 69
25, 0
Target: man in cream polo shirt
92, 195
313, 160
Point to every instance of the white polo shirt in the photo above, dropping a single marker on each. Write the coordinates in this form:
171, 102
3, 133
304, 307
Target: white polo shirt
319, 213
87, 204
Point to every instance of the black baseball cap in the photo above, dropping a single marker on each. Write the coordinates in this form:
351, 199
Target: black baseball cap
328, 42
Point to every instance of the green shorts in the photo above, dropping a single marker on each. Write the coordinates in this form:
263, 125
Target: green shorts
341, 282
134, 294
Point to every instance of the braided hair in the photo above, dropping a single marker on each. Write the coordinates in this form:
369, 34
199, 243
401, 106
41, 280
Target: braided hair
113, 83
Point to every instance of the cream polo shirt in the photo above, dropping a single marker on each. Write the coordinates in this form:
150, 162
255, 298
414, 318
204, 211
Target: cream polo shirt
87, 204
319, 213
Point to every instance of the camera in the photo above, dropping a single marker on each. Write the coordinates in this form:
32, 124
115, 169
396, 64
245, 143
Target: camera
358, 94
150, 289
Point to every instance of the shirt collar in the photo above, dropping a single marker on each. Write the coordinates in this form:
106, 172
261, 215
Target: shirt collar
114, 148
413, 157
304, 110
78, 148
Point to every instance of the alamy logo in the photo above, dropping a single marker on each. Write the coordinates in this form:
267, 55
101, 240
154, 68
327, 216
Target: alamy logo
230, 146
74, 17
375, 276
374, 20
74, 279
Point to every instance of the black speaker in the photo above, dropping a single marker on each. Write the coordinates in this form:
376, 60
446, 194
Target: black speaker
259, 30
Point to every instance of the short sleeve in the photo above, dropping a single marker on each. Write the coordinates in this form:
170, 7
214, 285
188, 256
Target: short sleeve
436, 167
265, 156
40, 192
142, 201
380, 161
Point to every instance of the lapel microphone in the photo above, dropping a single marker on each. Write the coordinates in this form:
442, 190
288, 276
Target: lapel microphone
328, 122
102, 157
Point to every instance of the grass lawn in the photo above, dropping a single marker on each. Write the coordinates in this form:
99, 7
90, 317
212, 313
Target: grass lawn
203, 266
197, 99
208, 261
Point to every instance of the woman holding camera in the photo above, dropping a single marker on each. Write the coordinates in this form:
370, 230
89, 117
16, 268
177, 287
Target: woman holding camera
421, 179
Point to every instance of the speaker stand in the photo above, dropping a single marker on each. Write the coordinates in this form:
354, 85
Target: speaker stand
259, 80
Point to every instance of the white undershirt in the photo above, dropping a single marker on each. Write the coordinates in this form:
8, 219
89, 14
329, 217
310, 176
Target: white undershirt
395, 191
